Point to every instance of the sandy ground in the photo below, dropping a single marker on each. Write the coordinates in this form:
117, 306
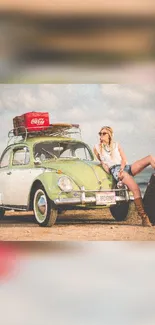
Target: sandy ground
75, 226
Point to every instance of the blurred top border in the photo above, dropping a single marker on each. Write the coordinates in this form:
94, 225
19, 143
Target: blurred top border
89, 7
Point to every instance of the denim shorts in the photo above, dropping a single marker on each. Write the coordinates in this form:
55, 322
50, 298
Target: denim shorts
114, 170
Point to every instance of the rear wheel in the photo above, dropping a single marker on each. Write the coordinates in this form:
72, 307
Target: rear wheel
44, 211
120, 211
2, 212
149, 199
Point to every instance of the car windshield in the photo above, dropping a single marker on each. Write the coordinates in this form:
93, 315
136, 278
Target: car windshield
62, 150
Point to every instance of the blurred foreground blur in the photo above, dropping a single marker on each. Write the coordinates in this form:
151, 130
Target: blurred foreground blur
8, 260
64, 41
81, 283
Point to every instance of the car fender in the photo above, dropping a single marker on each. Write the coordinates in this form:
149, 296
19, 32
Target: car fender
49, 180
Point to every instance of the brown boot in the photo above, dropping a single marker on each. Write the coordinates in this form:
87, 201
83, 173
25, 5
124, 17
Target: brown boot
140, 209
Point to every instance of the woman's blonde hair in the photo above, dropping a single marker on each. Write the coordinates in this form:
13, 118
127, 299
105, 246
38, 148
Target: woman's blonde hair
110, 132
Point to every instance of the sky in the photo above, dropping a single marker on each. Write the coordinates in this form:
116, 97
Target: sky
128, 109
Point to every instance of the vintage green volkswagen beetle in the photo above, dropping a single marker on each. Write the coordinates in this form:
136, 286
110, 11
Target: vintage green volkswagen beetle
51, 171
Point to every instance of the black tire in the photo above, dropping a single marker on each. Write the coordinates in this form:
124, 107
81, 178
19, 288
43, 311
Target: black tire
46, 213
2, 213
149, 199
120, 211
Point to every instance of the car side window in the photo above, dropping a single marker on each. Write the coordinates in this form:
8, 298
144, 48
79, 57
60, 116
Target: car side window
66, 153
5, 159
82, 153
21, 156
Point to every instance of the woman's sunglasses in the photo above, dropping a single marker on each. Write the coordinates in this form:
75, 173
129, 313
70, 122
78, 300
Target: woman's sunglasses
102, 133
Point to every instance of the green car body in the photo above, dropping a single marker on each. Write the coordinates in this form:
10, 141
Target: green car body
52, 174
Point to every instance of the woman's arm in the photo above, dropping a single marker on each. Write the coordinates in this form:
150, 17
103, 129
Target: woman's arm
123, 162
97, 154
123, 157
105, 167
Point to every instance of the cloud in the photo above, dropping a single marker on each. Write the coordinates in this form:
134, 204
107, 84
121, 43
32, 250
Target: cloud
129, 95
129, 109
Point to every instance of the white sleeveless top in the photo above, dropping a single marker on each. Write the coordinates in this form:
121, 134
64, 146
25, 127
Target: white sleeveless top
105, 155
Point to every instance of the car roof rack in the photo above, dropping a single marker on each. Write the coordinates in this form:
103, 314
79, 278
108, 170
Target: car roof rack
56, 129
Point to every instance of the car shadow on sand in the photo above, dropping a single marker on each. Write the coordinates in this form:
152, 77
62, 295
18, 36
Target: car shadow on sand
14, 220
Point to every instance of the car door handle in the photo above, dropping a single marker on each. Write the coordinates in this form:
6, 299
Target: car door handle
9, 173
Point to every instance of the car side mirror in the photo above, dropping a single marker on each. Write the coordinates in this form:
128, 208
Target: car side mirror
37, 161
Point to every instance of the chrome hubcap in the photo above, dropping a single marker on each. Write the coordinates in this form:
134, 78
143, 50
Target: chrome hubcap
41, 204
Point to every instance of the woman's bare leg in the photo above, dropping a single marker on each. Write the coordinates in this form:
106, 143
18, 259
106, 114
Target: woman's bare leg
139, 165
131, 184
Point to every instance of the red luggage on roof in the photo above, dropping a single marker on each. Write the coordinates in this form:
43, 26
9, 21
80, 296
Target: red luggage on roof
32, 121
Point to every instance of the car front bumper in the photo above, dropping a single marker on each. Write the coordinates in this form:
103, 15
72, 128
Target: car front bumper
84, 199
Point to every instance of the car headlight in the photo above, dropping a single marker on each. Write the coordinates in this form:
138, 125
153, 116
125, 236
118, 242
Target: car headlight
65, 184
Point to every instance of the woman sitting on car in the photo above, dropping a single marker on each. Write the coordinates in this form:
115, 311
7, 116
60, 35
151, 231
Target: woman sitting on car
114, 161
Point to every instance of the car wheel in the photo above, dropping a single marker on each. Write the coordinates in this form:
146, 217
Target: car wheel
120, 211
44, 211
2, 212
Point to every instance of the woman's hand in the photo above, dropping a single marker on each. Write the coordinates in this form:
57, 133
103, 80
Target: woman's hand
120, 174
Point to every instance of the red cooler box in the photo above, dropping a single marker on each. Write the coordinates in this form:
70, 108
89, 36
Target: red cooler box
32, 121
